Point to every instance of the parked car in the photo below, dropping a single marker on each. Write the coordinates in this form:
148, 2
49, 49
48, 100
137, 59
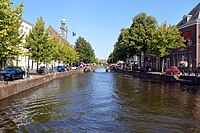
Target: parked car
66, 68
51, 70
42, 70
12, 73
173, 70
60, 69
73, 67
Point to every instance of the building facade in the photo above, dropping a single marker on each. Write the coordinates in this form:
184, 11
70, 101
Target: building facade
52, 32
24, 61
189, 28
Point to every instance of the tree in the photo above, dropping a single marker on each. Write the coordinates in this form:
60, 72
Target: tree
71, 55
85, 51
110, 58
68, 54
9, 31
165, 38
122, 50
54, 43
141, 33
37, 43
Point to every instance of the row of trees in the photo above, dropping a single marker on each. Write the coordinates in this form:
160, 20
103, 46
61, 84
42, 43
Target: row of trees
44, 50
40, 48
145, 36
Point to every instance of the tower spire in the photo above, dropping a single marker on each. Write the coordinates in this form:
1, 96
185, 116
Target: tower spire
63, 28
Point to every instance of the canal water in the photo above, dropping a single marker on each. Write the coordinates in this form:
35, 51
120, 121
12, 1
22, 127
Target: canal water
103, 102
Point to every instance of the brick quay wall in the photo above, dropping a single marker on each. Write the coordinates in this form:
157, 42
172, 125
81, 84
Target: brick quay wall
17, 86
183, 79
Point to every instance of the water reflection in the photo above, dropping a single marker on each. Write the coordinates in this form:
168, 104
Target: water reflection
103, 102
100, 70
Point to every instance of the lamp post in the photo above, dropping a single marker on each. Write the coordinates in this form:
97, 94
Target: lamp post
28, 74
28, 69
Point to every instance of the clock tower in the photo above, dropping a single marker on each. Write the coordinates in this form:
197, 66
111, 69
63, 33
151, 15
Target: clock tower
63, 29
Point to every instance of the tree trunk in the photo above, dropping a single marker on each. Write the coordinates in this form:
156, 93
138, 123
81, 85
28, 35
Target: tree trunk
140, 60
32, 64
37, 65
1, 64
163, 63
4, 63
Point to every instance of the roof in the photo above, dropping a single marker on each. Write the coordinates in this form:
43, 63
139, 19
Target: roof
193, 15
52, 29
28, 22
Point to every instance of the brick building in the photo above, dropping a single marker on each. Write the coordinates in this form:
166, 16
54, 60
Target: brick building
52, 32
189, 28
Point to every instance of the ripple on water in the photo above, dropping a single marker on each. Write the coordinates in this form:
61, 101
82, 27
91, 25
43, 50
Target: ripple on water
102, 102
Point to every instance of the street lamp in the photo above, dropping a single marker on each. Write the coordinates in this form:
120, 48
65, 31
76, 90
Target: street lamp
28, 75
28, 72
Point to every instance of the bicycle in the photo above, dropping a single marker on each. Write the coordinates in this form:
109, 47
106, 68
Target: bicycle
4, 79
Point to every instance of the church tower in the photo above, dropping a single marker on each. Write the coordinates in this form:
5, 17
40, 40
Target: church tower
63, 29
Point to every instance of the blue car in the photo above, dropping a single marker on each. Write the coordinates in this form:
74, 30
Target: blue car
60, 69
12, 73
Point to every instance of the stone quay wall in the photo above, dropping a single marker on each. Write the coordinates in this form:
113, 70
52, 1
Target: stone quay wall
183, 79
18, 86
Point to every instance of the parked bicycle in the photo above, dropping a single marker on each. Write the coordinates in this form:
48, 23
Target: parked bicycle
4, 79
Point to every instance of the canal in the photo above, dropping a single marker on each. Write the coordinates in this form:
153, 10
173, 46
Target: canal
103, 102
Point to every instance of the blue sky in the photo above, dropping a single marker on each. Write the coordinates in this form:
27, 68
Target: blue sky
100, 21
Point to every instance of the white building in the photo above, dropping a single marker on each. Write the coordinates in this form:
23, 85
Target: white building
24, 61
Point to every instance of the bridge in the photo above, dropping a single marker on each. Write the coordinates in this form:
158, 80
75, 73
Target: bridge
92, 68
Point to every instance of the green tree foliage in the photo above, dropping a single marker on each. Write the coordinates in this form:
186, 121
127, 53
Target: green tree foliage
54, 43
66, 53
60, 52
134, 40
72, 55
37, 43
165, 38
9, 30
63, 51
141, 32
85, 51
122, 50
110, 58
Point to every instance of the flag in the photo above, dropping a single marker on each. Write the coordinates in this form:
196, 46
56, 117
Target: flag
73, 34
